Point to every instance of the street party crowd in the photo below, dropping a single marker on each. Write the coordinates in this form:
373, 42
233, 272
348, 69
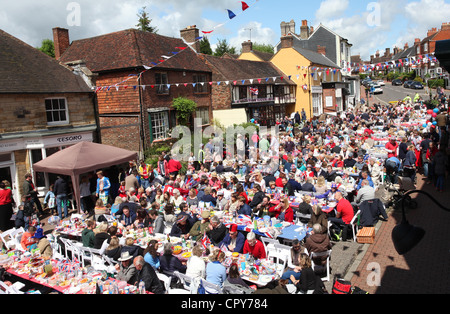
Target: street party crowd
214, 218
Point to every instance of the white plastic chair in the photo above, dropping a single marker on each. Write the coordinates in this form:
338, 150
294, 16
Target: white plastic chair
269, 244
320, 268
7, 238
167, 280
280, 259
184, 279
355, 225
285, 249
211, 288
167, 227
5, 289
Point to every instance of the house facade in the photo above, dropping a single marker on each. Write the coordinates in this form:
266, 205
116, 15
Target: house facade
44, 106
320, 85
243, 90
137, 76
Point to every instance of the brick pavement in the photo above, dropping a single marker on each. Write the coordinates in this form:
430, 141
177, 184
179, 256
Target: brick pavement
425, 269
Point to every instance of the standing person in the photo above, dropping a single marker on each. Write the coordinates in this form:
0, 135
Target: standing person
85, 194
409, 163
440, 162
50, 200
61, 193
145, 174
303, 115
392, 147
31, 192
131, 181
103, 186
6, 210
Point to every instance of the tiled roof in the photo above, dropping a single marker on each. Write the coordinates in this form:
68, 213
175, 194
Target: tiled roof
226, 69
132, 48
25, 69
316, 57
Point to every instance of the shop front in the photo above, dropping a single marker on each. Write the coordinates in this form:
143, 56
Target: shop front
17, 156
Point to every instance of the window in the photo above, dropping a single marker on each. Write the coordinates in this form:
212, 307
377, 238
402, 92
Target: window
203, 113
317, 104
162, 81
425, 47
159, 122
56, 110
201, 87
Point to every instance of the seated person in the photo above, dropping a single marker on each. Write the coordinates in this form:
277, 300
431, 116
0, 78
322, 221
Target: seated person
243, 208
233, 240
182, 227
217, 230
128, 217
170, 263
318, 242
344, 215
254, 247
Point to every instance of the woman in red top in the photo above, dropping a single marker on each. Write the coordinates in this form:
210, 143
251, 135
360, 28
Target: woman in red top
254, 247
286, 210
240, 191
6, 210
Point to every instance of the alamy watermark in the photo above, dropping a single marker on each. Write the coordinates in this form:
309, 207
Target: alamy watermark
233, 140
74, 17
374, 17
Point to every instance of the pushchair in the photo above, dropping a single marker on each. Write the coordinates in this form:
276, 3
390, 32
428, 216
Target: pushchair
392, 194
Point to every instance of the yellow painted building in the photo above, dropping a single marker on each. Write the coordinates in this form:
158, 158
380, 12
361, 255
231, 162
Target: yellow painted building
315, 93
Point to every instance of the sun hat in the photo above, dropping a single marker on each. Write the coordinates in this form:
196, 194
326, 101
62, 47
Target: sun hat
125, 256
206, 214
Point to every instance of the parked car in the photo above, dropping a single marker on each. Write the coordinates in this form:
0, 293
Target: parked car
366, 81
407, 84
381, 83
397, 82
377, 89
416, 85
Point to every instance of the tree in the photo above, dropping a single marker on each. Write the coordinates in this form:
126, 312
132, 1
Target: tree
47, 47
184, 109
263, 48
145, 21
223, 47
205, 46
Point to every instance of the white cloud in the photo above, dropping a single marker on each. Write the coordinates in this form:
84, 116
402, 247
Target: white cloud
331, 8
259, 34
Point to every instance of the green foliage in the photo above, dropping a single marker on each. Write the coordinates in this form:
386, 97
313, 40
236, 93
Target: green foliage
263, 48
144, 22
205, 46
433, 83
418, 79
184, 109
362, 76
223, 47
392, 76
47, 47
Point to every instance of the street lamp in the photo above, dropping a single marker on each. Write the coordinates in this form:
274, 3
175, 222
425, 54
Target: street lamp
406, 236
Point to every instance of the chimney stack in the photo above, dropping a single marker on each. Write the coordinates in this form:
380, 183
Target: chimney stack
287, 41
432, 31
61, 41
406, 46
304, 30
388, 52
190, 35
287, 28
247, 46
445, 27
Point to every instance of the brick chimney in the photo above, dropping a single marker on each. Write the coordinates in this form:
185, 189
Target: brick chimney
432, 31
387, 53
247, 46
287, 41
406, 46
445, 27
321, 49
190, 35
61, 41
417, 41
304, 30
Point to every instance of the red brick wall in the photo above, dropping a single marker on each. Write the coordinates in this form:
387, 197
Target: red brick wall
221, 96
326, 93
125, 100
122, 132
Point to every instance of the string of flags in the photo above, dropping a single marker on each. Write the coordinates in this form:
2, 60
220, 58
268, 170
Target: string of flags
402, 62
165, 58
315, 72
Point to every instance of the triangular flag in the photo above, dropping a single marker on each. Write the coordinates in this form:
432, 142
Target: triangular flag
244, 6
193, 84
209, 32
227, 82
231, 15
304, 75
218, 83
251, 81
143, 87
259, 81
181, 48
210, 83
185, 84
243, 82
168, 86
147, 67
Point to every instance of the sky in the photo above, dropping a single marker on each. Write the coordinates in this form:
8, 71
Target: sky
368, 25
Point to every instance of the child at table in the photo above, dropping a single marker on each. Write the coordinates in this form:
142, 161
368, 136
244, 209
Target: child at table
27, 241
